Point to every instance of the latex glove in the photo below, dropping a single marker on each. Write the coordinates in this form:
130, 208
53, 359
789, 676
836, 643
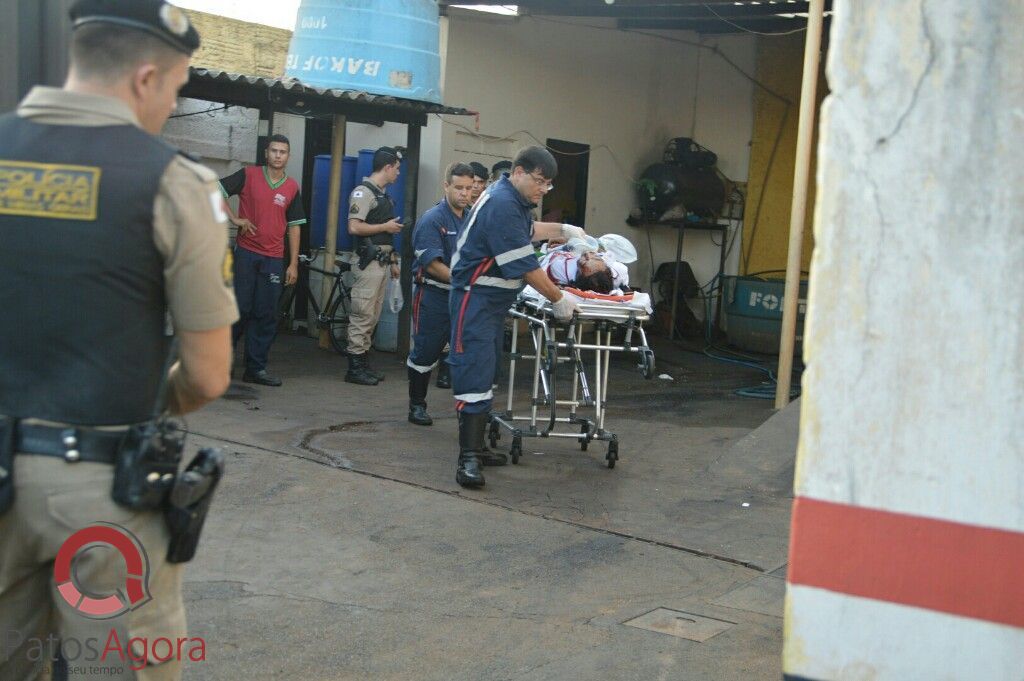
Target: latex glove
571, 231
564, 307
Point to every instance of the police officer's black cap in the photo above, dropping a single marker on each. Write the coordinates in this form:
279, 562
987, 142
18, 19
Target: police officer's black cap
158, 18
395, 153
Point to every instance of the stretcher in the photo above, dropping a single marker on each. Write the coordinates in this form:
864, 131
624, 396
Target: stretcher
566, 344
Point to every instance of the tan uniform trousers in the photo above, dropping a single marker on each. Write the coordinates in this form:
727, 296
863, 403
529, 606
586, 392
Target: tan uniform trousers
53, 500
367, 300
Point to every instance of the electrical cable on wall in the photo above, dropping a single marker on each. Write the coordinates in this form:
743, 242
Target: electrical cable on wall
511, 137
212, 110
700, 45
714, 49
764, 184
750, 30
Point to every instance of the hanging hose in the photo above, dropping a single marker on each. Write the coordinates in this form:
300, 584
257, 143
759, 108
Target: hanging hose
766, 389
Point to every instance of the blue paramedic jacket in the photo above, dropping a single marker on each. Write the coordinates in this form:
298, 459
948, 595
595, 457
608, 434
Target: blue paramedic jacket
494, 247
435, 238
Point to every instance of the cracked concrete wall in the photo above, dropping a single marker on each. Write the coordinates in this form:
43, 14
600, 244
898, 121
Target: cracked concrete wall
914, 395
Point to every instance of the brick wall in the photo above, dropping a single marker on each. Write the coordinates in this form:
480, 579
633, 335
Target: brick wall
239, 46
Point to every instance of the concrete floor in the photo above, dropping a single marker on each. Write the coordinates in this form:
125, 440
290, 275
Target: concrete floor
340, 547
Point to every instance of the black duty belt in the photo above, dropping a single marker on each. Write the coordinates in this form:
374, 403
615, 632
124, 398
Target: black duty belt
69, 443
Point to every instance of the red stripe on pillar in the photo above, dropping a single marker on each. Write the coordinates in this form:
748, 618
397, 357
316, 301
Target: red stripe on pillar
950, 567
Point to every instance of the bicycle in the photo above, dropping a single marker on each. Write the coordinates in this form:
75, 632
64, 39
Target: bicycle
339, 303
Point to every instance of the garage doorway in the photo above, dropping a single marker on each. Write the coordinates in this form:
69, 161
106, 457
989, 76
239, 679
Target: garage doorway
567, 202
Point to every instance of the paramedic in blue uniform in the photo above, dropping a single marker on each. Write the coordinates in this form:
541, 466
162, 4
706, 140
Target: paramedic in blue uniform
495, 258
433, 242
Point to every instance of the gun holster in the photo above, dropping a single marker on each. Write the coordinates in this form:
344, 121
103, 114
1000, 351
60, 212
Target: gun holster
7, 425
147, 465
189, 502
367, 253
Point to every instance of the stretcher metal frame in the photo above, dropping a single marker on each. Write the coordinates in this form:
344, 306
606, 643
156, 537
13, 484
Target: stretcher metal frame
603, 320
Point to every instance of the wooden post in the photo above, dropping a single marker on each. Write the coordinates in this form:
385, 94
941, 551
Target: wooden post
333, 208
804, 137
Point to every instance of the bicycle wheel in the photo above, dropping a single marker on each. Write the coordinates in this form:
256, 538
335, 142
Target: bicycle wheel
337, 324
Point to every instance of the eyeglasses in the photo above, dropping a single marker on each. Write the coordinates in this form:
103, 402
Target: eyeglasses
542, 182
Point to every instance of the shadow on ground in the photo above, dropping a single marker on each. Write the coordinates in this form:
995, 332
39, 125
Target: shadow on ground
340, 546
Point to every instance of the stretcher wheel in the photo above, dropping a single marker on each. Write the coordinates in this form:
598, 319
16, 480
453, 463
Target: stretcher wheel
613, 453
516, 450
647, 362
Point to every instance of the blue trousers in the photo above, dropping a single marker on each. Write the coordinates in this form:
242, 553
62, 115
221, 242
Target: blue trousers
431, 327
258, 283
478, 324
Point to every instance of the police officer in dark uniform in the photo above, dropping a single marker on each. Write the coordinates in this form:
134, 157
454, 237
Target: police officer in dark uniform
371, 220
104, 229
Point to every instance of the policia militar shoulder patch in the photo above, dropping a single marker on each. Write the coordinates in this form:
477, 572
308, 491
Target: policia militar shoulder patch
49, 190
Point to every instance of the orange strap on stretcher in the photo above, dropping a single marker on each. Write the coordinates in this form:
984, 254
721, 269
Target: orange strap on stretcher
593, 295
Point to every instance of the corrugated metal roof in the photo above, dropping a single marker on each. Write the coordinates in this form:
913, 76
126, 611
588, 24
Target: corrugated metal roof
296, 87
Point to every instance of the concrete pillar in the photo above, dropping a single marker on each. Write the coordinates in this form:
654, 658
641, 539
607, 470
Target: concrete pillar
907, 548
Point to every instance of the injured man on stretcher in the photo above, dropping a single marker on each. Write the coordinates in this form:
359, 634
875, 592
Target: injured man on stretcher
591, 270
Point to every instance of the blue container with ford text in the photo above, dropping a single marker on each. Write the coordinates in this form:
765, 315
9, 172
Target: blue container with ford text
385, 47
753, 312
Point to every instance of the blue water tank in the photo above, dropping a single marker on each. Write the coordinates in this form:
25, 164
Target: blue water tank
386, 47
321, 188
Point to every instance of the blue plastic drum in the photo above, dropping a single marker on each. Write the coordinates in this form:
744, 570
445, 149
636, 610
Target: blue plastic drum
321, 190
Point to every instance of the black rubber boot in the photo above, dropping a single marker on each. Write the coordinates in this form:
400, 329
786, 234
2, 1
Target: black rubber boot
418, 398
376, 374
489, 457
444, 373
357, 372
471, 441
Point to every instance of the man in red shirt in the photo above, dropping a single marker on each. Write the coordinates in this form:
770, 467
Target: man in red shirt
269, 203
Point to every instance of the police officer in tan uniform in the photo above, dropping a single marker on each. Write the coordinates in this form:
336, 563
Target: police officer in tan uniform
371, 220
104, 230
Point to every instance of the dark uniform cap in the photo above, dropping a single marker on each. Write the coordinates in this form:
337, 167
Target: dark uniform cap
394, 153
158, 18
479, 170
